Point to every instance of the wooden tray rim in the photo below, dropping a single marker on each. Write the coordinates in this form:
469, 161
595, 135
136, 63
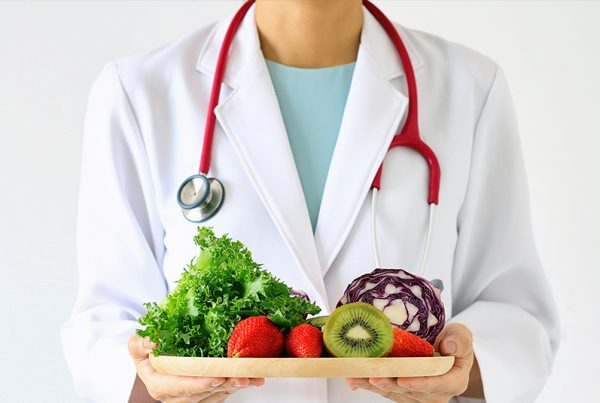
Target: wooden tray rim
289, 367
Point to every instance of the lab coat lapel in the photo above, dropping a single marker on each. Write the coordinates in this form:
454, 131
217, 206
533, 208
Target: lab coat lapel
372, 116
251, 118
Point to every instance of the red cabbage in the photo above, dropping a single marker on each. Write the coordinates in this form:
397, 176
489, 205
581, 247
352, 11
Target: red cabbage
300, 293
410, 302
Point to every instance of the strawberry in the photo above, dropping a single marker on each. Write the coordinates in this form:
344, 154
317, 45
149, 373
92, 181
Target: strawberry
255, 336
407, 344
304, 341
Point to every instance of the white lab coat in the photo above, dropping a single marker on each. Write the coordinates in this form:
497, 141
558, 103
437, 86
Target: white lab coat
143, 136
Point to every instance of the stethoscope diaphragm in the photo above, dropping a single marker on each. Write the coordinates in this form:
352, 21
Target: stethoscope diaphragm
200, 197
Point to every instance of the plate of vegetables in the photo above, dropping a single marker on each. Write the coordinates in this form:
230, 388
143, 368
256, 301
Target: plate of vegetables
229, 317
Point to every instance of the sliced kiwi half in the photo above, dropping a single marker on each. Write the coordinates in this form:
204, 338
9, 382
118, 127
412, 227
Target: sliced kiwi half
358, 329
318, 321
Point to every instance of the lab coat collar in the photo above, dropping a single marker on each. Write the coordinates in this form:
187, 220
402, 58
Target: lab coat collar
251, 118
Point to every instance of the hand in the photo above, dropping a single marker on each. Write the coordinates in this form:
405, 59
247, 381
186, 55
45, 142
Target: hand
455, 339
182, 389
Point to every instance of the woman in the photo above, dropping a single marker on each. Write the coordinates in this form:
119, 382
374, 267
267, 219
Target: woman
285, 170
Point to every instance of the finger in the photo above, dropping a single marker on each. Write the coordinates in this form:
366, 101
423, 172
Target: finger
170, 385
456, 333
356, 383
457, 340
449, 382
364, 383
216, 397
458, 345
167, 385
390, 385
139, 348
240, 382
397, 396
257, 381
175, 385
146, 371
233, 385
461, 347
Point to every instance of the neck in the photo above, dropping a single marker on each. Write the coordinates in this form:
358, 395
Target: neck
309, 33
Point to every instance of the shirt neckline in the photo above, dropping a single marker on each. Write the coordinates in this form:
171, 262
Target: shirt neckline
285, 66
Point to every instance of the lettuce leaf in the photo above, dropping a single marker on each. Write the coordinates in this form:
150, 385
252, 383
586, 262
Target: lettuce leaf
220, 287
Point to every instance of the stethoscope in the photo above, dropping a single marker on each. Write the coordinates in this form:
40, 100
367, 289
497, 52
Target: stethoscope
201, 197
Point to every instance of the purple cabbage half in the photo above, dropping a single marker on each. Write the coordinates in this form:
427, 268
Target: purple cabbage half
410, 302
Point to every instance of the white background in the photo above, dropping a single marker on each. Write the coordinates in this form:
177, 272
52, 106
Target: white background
50, 52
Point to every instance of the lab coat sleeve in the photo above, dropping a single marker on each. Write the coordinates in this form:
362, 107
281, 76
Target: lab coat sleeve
500, 291
119, 245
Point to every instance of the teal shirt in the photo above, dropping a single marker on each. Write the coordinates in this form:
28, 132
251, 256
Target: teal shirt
312, 103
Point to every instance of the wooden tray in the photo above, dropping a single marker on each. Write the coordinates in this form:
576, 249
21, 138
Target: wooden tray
303, 367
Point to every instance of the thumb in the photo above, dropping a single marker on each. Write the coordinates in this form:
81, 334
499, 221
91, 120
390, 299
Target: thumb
139, 348
456, 341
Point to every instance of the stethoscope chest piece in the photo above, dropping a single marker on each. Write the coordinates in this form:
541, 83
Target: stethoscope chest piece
200, 197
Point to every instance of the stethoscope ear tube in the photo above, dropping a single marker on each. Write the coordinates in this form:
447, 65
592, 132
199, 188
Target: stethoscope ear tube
408, 137
375, 244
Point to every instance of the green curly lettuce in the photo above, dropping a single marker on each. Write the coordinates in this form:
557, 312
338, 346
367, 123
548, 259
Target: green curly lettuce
220, 287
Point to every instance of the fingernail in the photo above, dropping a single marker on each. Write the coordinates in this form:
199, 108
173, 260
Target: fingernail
214, 384
239, 385
450, 347
148, 344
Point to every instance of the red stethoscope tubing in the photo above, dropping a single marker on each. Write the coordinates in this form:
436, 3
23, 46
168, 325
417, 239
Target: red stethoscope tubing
408, 137
209, 128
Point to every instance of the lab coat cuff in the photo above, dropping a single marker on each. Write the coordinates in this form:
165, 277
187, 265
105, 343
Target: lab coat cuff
512, 350
103, 370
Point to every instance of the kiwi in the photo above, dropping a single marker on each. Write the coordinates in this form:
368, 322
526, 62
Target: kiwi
358, 329
318, 321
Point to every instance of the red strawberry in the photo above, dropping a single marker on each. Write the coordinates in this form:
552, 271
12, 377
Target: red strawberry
256, 336
304, 341
407, 344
